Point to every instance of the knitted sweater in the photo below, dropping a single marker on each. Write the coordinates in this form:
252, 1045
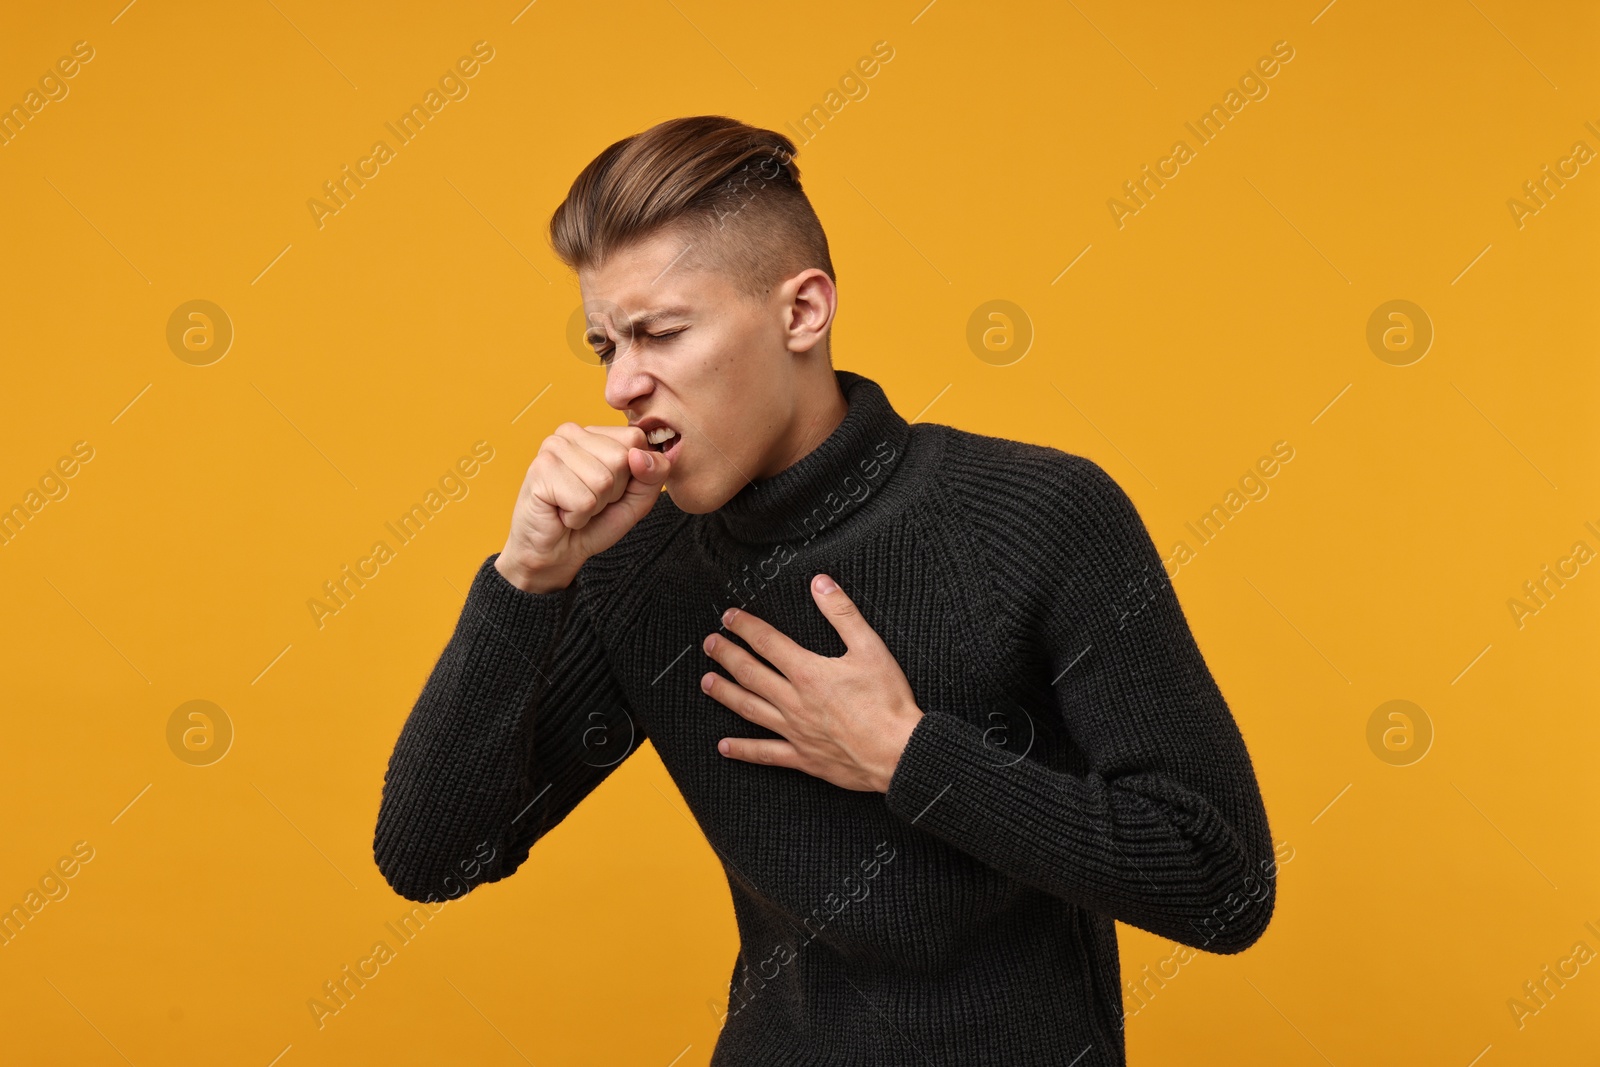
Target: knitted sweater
1075, 764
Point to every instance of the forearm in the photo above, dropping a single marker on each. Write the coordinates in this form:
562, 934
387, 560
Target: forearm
461, 772
1161, 824
1139, 847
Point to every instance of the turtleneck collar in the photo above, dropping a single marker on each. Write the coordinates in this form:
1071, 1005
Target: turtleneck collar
827, 484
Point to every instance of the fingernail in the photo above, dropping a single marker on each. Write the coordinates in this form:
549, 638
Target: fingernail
705, 683
825, 584
649, 461
722, 746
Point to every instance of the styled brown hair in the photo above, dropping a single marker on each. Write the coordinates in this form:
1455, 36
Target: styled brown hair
732, 190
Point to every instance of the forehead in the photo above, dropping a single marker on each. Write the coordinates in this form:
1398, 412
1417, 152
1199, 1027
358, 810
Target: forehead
657, 276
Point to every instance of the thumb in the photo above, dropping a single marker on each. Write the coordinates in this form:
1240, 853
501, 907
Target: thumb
648, 467
649, 470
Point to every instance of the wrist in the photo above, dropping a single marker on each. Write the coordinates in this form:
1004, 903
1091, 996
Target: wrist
900, 736
529, 579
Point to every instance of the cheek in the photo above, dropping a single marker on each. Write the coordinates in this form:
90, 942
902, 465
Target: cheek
742, 449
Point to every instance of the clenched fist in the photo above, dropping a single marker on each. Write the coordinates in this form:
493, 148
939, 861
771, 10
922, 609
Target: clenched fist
587, 487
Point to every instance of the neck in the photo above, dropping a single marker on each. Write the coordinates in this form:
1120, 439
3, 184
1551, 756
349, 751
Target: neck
823, 407
831, 479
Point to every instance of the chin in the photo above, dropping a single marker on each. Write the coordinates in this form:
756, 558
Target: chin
680, 499
692, 503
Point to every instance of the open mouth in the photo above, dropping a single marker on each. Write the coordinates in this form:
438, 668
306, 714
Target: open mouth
663, 439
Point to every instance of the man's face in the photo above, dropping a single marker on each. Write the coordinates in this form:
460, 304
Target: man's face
712, 363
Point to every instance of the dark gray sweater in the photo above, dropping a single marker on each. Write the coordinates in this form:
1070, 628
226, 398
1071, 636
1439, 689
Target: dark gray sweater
1076, 763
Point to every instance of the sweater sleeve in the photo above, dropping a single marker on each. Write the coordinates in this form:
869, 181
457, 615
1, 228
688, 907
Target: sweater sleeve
520, 719
1165, 828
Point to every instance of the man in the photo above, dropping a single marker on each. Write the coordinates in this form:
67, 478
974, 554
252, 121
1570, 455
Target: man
960, 724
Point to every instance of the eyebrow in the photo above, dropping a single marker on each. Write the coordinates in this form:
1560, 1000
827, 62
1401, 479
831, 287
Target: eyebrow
650, 318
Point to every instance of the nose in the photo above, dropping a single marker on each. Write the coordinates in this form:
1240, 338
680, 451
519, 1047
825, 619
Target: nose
627, 379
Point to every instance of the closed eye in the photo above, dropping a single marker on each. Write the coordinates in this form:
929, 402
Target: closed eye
605, 352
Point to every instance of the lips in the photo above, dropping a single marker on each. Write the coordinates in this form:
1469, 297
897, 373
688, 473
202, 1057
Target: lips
659, 435
663, 438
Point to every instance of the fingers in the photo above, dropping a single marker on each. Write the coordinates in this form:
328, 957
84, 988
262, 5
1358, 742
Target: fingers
760, 750
626, 435
608, 444
766, 685
572, 496
584, 471
742, 702
583, 491
842, 613
767, 641
635, 460
604, 471
642, 462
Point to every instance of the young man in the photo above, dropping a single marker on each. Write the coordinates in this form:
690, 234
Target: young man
960, 723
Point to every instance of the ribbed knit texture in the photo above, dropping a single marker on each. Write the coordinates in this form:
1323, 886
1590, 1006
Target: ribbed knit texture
1075, 764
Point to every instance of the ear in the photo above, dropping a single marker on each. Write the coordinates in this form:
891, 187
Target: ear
811, 301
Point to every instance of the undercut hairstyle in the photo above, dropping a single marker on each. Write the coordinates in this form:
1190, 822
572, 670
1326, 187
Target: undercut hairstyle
731, 190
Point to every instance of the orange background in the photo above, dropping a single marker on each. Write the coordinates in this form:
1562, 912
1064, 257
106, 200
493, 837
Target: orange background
1229, 313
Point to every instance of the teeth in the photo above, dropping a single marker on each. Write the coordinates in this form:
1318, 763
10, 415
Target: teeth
660, 434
